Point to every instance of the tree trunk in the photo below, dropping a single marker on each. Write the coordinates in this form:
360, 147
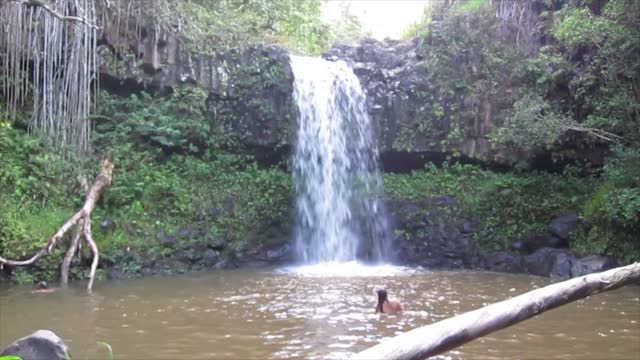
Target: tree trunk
439, 337
102, 183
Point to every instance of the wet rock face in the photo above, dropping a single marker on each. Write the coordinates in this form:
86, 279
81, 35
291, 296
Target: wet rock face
250, 90
505, 261
533, 242
548, 262
41, 345
429, 234
155, 60
256, 106
407, 106
562, 226
436, 234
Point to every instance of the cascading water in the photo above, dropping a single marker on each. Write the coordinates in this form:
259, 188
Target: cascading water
339, 215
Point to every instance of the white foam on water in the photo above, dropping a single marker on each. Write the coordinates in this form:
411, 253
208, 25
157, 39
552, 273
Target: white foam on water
348, 269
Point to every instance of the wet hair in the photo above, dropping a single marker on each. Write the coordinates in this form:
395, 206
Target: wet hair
42, 285
382, 297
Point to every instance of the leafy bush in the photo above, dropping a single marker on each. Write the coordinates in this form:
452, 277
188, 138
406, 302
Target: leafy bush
469, 6
38, 189
296, 24
613, 210
175, 123
511, 205
532, 125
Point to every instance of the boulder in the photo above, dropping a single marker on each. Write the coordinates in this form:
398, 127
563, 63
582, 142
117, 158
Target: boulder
467, 227
564, 225
41, 345
505, 261
432, 233
210, 258
550, 262
115, 273
216, 244
592, 264
533, 242
166, 239
280, 254
190, 255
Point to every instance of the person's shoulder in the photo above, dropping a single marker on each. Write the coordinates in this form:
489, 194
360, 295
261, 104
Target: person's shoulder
396, 304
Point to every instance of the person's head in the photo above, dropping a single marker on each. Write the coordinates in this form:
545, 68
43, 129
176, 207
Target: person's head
382, 297
42, 285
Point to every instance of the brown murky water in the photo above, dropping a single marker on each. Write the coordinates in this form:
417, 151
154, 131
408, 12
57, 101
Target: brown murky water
267, 314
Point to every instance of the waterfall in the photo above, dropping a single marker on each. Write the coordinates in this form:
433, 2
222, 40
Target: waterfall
335, 168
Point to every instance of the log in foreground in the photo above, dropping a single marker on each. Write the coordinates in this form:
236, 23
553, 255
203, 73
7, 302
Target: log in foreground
439, 337
83, 216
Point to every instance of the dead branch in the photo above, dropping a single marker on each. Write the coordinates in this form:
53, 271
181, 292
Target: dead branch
445, 335
102, 183
66, 262
598, 133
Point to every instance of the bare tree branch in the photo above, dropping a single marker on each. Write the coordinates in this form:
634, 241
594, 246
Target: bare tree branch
102, 183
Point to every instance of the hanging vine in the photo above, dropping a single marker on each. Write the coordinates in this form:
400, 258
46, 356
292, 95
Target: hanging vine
49, 55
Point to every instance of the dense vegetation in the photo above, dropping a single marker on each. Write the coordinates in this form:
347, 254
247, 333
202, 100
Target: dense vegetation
173, 181
296, 24
562, 77
571, 75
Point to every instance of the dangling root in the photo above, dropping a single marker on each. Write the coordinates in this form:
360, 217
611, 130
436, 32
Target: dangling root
83, 216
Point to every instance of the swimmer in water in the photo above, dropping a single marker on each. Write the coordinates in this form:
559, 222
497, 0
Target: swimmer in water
387, 306
43, 287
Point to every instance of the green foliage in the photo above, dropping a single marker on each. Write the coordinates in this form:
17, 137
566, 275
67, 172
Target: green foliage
175, 123
29, 171
22, 277
533, 124
511, 205
226, 197
470, 6
39, 191
10, 357
581, 84
419, 28
187, 182
606, 86
170, 174
296, 24
614, 209
470, 75
346, 28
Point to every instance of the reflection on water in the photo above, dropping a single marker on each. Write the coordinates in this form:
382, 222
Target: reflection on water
274, 314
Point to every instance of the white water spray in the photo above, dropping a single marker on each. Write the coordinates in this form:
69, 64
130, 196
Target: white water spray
339, 215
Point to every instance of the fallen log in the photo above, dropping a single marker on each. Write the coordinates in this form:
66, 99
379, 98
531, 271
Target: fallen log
83, 216
445, 335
